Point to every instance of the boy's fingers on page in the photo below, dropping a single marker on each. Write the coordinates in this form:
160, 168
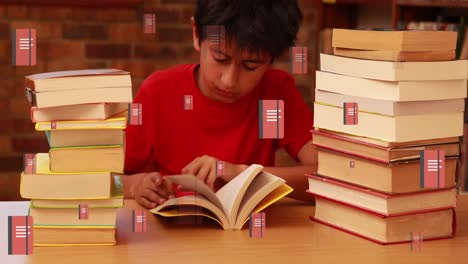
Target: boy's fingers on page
153, 196
150, 183
155, 177
146, 203
170, 188
211, 179
204, 171
193, 167
163, 192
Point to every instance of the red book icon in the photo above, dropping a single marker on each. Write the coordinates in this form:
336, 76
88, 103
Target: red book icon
271, 119
432, 168
138, 221
53, 124
135, 115
29, 163
188, 102
149, 23
219, 168
24, 47
257, 225
20, 235
298, 60
216, 35
83, 211
416, 241
350, 113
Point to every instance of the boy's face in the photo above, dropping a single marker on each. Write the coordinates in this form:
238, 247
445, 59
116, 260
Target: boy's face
227, 74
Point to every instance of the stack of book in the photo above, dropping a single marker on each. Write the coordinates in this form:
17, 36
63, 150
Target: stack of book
74, 189
387, 128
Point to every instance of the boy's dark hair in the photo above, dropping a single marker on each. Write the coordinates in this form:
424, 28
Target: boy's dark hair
256, 25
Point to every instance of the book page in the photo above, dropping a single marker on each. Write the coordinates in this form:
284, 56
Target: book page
197, 200
260, 187
192, 183
187, 210
271, 198
61, 74
232, 193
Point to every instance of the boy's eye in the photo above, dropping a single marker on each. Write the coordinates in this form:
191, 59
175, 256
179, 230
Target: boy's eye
249, 67
221, 60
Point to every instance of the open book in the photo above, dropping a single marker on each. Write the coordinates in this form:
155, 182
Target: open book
249, 192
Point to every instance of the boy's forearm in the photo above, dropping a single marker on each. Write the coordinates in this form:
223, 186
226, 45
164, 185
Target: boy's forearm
294, 177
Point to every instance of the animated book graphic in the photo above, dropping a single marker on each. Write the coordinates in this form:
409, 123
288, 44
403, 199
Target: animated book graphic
432, 168
257, 225
271, 119
149, 23
350, 113
188, 102
83, 211
24, 47
298, 60
249, 192
20, 235
139, 220
216, 36
219, 165
135, 114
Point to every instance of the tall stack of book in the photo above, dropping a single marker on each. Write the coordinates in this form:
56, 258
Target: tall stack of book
74, 189
388, 118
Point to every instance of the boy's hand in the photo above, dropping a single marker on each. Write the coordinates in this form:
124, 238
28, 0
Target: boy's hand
205, 169
152, 190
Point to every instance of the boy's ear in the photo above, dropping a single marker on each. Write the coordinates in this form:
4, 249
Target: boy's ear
195, 35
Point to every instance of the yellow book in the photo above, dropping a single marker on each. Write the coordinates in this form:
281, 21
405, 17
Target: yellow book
395, 71
390, 128
408, 40
251, 191
117, 122
97, 217
115, 201
85, 137
88, 158
66, 236
45, 184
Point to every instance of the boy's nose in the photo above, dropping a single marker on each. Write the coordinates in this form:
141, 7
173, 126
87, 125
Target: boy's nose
229, 78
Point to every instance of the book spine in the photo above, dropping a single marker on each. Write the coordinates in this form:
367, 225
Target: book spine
260, 119
10, 235
369, 238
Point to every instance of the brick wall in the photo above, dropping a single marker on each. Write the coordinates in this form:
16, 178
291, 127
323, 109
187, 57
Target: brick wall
77, 38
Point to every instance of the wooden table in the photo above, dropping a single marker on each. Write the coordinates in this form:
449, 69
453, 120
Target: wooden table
290, 238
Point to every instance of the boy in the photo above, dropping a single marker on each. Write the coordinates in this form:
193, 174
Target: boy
220, 122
